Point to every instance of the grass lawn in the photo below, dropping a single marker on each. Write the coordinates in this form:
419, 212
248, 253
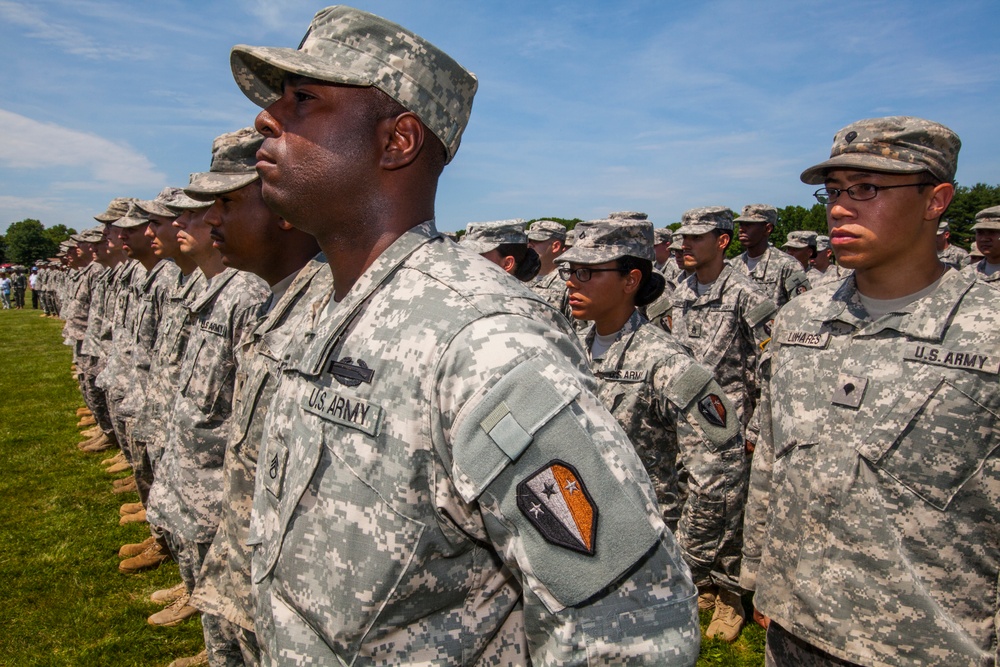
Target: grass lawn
64, 601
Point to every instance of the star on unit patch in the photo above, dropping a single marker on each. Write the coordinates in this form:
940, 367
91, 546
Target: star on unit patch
556, 502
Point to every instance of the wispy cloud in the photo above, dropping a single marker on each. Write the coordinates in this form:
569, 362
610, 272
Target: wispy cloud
60, 34
31, 144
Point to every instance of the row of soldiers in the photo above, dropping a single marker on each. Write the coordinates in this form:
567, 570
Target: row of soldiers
390, 452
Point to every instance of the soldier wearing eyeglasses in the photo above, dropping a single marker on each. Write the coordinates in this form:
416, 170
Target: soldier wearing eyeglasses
872, 531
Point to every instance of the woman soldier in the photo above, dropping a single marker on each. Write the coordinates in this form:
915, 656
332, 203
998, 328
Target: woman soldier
504, 243
676, 415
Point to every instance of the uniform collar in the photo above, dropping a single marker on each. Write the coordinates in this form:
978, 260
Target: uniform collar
215, 286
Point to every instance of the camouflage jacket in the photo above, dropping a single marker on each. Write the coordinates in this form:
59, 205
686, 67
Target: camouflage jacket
224, 588
725, 330
95, 315
186, 495
78, 304
873, 523
677, 416
165, 362
954, 257
150, 299
978, 271
114, 379
440, 485
551, 288
777, 273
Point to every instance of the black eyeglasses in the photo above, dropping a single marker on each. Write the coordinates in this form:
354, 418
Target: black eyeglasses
583, 273
858, 191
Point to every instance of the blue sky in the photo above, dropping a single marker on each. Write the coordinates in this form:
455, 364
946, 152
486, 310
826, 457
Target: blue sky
583, 107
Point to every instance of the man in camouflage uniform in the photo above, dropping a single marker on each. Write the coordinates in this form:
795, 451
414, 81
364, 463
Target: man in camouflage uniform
801, 245
823, 270
432, 423
777, 273
548, 238
250, 238
185, 501
873, 529
672, 409
949, 253
19, 283
987, 229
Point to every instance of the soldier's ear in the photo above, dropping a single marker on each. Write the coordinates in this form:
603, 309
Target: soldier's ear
402, 138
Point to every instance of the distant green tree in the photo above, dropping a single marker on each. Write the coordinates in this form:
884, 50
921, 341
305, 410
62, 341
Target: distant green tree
27, 242
790, 218
3, 249
962, 212
58, 233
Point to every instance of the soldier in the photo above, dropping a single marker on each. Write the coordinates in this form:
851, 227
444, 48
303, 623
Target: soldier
673, 411
774, 271
662, 238
19, 284
801, 245
948, 252
250, 238
872, 528
432, 422
987, 228
185, 501
823, 270
505, 244
548, 239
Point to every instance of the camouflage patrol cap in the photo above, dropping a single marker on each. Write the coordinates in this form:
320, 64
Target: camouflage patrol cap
116, 209
677, 242
822, 243
627, 215
482, 237
348, 46
135, 217
543, 230
758, 213
570, 238
801, 239
988, 218
92, 235
160, 205
975, 253
943, 227
183, 203
892, 145
234, 165
662, 235
599, 241
698, 221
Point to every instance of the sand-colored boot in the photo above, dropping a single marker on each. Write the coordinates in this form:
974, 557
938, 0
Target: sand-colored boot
168, 595
193, 661
729, 616
130, 550
134, 517
174, 613
150, 559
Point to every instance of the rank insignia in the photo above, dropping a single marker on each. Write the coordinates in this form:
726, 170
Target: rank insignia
712, 408
556, 502
349, 373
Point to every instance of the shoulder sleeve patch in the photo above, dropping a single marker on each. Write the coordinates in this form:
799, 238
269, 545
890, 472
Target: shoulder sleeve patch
760, 313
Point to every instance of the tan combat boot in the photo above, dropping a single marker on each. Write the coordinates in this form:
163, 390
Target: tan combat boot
86, 421
120, 456
100, 443
91, 440
706, 597
134, 517
130, 508
91, 432
193, 661
150, 559
126, 485
168, 595
174, 613
729, 616
116, 468
83, 412
130, 550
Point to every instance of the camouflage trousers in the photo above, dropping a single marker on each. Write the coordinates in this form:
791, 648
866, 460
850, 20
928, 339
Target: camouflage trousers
784, 649
89, 368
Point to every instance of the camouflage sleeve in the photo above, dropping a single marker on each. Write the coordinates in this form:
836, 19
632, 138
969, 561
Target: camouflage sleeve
759, 494
564, 499
713, 456
794, 282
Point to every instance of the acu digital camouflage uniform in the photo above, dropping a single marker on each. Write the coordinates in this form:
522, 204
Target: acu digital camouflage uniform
396, 517
833, 272
725, 329
186, 495
778, 274
872, 528
549, 286
953, 256
225, 585
986, 219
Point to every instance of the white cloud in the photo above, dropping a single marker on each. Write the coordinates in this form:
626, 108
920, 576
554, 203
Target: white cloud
60, 34
31, 144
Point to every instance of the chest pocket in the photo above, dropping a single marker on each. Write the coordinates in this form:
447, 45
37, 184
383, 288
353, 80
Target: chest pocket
933, 442
208, 375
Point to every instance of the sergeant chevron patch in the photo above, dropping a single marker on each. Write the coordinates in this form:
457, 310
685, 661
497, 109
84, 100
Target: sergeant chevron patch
556, 502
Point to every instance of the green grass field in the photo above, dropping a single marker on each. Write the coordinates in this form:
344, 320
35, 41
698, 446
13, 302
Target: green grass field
62, 599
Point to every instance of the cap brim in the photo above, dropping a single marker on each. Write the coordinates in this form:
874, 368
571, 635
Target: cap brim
480, 247
127, 222
155, 207
581, 255
863, 161
207, 185
987, 224
696, 229
260, 71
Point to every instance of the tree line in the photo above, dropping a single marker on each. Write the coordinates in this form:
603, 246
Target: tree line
29, 240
